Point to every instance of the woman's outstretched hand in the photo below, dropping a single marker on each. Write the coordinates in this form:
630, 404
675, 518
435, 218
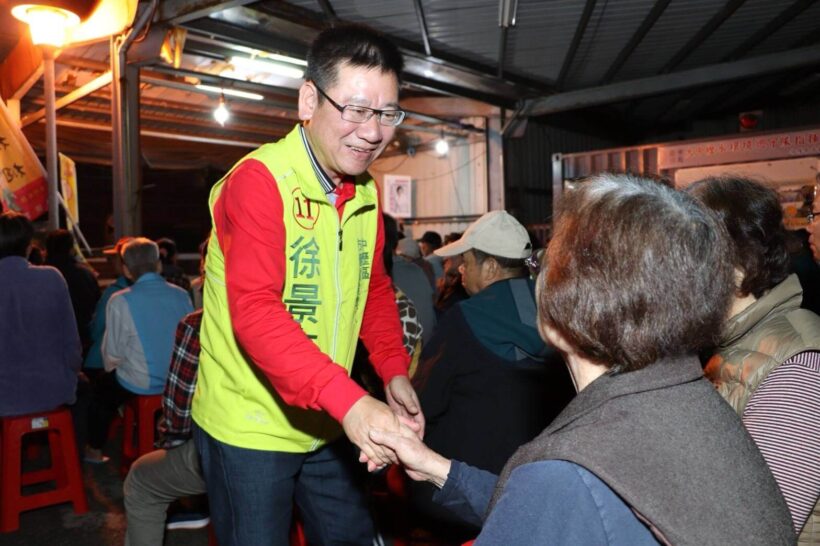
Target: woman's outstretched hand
420, 462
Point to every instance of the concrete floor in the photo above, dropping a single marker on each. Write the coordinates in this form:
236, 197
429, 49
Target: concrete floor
104, 523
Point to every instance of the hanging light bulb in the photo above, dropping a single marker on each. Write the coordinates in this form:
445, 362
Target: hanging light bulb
221, 113
441, 146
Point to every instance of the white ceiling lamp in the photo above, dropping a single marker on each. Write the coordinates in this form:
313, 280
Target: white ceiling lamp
260, 65
221, 113
230, 92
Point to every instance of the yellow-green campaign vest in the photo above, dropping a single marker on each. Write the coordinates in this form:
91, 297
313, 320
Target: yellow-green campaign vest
328, 263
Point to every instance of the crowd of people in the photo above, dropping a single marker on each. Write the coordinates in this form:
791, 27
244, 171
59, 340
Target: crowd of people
651, 378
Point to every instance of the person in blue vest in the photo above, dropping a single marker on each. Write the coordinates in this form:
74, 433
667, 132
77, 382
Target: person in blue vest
93, 363
139, 338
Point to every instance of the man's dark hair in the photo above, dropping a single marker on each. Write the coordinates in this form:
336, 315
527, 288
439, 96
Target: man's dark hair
431, 238
635, 272
511, 265
355, 45
753, 217
167, 250
59, 245
16, 233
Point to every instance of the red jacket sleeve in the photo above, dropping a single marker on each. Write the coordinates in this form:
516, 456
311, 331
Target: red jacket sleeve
381, 329
251, 234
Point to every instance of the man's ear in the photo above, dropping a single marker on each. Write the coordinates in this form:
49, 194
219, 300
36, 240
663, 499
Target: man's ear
490, 268
127, 272
308, 101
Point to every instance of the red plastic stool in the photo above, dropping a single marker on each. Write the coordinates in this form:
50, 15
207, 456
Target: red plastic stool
64, 469
139, 412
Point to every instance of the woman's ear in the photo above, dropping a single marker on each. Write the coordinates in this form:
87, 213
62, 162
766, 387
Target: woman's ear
553, 336
308, 101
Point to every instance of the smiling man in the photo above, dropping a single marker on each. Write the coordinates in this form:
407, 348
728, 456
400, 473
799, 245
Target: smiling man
292, 284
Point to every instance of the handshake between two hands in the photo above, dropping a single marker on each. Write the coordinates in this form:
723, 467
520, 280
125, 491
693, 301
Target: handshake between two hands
392, 433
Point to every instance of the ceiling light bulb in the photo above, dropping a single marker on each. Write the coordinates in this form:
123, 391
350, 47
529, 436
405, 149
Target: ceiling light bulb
442, 147
48, 24
221, 113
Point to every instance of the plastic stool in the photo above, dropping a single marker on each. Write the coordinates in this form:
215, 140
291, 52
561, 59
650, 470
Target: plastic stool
139, 412
64, 469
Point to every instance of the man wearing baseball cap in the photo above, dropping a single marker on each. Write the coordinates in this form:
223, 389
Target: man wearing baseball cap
486, 381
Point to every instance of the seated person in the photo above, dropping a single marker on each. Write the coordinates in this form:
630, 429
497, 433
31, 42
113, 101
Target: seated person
139, 337
430, 242
767, 364
40, 352
81, 279
408, 277
635, 284
487, 382
93, 363
170, 269
157, 479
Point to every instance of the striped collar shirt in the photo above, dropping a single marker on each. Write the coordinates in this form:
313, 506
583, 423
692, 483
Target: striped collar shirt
321, 175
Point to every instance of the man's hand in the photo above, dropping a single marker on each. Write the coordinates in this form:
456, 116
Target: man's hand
366, 414
402, 399
420, 462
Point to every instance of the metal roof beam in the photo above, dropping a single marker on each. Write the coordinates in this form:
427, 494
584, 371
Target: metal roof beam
769, 28
425, 37
222, 81
82, 91
717, 19
163, 134
685, 79
330, 13
576, 41
176, 12
502, 52
647, 24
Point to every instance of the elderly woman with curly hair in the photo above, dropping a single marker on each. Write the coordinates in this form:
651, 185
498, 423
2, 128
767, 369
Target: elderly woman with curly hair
648, 452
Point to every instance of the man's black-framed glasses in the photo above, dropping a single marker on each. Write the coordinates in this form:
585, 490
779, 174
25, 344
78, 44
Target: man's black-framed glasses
362, 114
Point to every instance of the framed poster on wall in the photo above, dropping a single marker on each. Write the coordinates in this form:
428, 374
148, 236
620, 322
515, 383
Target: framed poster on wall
398, 195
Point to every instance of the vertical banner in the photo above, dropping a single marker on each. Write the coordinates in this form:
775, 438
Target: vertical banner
68, 185
398, 198
23, 186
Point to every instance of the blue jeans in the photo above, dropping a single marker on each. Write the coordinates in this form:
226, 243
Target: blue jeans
251, 494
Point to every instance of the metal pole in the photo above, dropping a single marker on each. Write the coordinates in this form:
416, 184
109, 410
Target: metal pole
51, 139
117, 173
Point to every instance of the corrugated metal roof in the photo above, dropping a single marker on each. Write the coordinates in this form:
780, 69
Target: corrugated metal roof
539, 42
610, 28
464, 28
673, 29
805, 25
748, 19
395, 18
465, 41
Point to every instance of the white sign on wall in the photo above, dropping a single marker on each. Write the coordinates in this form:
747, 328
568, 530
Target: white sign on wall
398, 195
